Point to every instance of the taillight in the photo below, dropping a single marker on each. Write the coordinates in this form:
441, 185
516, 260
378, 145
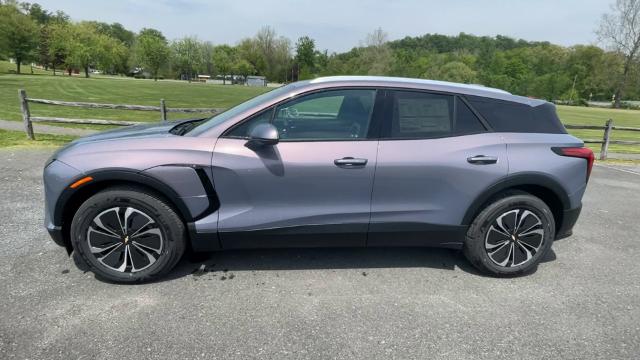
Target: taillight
579, 152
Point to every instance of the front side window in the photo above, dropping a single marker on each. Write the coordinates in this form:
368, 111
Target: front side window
240, 108
328, 115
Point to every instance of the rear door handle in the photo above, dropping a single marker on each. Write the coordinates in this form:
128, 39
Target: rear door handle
482, 160
350, 162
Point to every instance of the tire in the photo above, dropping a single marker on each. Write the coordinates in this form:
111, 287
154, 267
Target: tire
149, 243
509, 250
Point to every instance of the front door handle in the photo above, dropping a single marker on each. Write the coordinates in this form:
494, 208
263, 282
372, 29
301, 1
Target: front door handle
350, 162
482, 160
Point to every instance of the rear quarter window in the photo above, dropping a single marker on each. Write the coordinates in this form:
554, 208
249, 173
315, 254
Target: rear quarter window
506, 116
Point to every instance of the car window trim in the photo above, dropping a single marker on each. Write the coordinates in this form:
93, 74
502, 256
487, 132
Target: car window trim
475, 112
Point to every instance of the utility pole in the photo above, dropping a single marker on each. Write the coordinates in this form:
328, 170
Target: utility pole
573, 88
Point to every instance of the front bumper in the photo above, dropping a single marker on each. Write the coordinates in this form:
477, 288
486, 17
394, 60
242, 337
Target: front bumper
56, 234
57, 175
569, 219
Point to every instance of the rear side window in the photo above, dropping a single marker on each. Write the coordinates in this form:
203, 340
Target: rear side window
419, 115
505, 116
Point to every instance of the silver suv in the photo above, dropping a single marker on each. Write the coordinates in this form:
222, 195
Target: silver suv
337, 161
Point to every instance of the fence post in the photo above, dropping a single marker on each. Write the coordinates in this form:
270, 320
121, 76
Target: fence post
163, 111
605, 140
26, 115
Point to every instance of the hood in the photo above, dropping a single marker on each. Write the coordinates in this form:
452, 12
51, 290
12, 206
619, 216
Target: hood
131, 134
158, 129
154, 129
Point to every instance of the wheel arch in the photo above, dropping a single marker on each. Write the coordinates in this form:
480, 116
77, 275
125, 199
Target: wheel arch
537, 184
71, 199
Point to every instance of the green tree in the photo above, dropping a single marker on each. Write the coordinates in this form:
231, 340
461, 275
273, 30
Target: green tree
116, 31
42, 16
305, 56
57, 47
187, 55
276, 52
84, 47
18, 35
45, 19
376, 57
620, 30
457, 71
152, 51
248, 50
244, 68
207, 50
223, 60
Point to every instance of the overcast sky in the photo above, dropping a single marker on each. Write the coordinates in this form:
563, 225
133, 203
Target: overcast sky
338, 25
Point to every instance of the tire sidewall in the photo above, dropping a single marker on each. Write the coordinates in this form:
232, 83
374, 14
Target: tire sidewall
172, 233
475, 242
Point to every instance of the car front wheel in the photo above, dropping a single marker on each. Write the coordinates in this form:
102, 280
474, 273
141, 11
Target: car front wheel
128, 235
511, 235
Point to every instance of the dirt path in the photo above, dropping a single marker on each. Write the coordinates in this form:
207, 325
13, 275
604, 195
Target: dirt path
45, 129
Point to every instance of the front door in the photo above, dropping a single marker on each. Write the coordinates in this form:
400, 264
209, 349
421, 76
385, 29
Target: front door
313, 188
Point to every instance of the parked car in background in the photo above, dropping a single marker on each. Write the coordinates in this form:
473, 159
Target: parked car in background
338, 161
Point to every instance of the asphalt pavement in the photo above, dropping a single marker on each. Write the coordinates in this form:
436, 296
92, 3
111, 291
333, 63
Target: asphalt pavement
583, 302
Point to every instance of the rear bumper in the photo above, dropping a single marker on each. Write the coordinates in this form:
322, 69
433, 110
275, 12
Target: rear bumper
569, 219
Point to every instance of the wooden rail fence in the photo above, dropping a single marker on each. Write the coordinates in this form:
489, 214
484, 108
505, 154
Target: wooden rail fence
28, 119
163, 109
606, 138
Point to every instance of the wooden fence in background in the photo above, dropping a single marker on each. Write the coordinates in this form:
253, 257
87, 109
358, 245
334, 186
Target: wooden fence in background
606, 138
28, 119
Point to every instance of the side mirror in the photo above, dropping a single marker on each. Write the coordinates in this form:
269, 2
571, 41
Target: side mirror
263, 135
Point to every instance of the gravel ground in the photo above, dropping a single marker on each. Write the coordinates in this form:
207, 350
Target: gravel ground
583, 302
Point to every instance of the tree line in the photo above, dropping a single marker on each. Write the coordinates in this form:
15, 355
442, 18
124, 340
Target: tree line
29, 33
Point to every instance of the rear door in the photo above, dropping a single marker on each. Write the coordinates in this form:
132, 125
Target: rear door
314, 187
435, 157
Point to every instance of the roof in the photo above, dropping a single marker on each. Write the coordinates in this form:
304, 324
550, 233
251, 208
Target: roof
444, 86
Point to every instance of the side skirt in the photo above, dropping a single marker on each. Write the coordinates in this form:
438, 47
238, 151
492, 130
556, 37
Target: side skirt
411, 234
335, 235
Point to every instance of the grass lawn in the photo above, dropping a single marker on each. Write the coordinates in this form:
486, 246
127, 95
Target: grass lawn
597, 116
118, 90
7, 67
19, 139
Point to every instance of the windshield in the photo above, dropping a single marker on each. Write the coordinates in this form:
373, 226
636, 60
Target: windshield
238, 109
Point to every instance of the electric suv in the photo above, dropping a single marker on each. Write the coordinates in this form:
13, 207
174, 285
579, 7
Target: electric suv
336, 161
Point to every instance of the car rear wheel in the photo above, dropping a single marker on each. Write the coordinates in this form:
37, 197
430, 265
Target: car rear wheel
511, 235
128, 235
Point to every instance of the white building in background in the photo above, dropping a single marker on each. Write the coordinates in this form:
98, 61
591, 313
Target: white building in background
256, 81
